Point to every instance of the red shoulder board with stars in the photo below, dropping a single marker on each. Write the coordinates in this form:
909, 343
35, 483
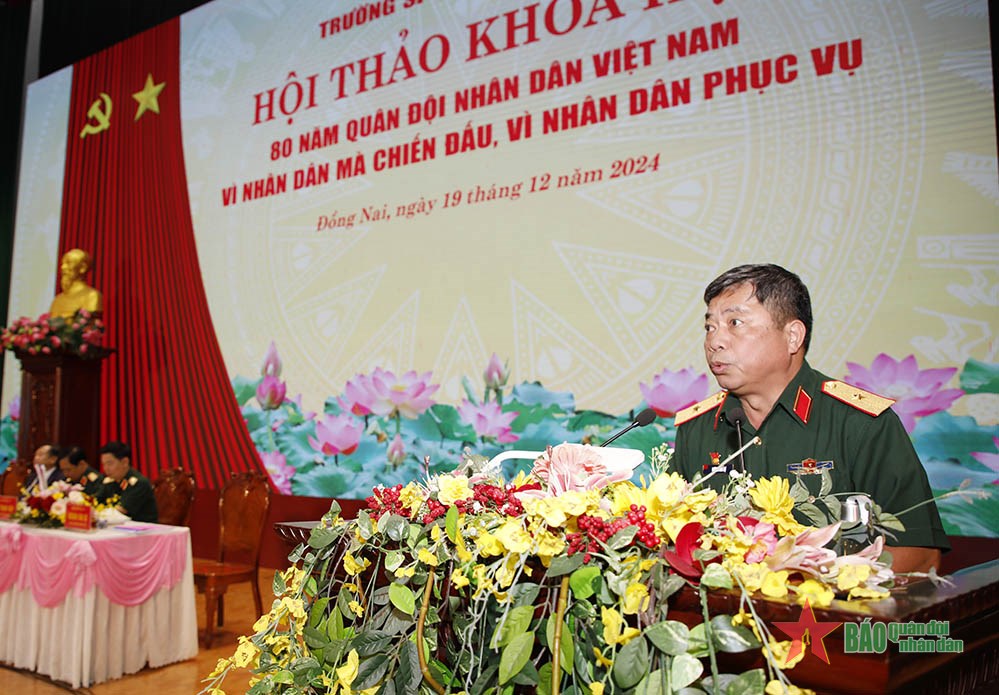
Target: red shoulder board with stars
708, 404
864, 401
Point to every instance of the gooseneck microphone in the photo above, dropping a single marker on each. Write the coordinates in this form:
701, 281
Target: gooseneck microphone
735, 417
641, 420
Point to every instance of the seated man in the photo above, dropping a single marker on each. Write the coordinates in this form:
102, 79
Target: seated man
135, 493
45, 467
75, 468
758, 326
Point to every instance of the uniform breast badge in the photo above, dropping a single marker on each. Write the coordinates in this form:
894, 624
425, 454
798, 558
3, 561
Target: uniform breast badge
715, 460
809, 467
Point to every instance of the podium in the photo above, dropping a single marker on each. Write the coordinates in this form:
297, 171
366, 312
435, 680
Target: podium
60, 402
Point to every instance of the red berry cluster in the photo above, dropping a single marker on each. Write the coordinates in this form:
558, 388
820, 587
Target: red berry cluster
594, 532
491, 497
386, 499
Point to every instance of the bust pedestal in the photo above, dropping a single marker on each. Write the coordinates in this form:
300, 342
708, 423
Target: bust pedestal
60, 402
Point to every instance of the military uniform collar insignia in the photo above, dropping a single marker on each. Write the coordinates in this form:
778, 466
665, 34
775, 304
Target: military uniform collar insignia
802, 405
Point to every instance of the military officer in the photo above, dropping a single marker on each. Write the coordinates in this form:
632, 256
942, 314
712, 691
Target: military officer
134, 491
75, 468
758, 326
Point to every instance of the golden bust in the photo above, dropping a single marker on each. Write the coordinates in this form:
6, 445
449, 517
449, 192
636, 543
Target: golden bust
76, 293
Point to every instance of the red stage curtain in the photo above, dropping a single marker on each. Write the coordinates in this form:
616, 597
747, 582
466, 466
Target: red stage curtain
165, 390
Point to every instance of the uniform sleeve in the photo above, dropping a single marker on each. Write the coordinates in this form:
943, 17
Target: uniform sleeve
886, 467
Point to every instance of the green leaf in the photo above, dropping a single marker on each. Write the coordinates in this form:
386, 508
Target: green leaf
684, 670
544, 679
371, 642
698, 643
732, 638
515, 655
748, 683
318, 612
451, 524
585, 581
244, 389
716, 577
622, 538
408, 675
980, 377
517, 621
394, 526
315, 639
402, 598
370, 672
814, 515
278, 585
799, 493
393, 560
631, 663
564, 564
652, 684
669, 636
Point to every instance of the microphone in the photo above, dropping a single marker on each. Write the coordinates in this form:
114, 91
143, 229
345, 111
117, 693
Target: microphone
734, 417
641, 420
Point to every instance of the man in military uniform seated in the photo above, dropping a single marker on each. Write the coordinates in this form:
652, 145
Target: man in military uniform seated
75, 468
135, 493
46, 462
758, 326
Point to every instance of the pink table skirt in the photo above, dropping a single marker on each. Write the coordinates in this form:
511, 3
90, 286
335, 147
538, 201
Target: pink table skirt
128, 567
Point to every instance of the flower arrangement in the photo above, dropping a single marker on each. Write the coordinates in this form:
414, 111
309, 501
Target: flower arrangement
558, 580
47, 507
80, 335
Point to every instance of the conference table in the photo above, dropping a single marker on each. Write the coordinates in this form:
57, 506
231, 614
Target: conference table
85, 607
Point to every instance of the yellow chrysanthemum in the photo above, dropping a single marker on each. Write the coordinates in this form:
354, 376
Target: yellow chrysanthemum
548, 545
427, 557
773, 496
601, 659
751, 574
775, 584
246, 654
488, 545
353, 566
615, 630
775, 687
294, 606
458, 579
411, 498
624, 494
514, 537
636, 598
817, 593
852, 576
453, 488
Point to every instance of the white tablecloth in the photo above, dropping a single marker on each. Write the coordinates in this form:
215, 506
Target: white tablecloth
89, 639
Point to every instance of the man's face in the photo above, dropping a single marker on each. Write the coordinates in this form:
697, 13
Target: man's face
44, 457
113, 466
745, 350
70, 471
71, 269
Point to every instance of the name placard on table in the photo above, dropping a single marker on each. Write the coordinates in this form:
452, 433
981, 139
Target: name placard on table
8, 505
78, 517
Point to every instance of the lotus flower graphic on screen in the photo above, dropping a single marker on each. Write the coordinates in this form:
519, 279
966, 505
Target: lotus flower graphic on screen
990, 459
270, 392
272, 362
496, 374
384, 394
489, 421
278, 470
917, 392
670, 392
336, 434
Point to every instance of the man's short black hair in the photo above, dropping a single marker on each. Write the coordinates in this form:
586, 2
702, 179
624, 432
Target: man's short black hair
120, 450
779, 290
75, 455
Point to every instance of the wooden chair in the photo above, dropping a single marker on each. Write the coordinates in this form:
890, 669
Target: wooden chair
174, 491
13, 478
243, 504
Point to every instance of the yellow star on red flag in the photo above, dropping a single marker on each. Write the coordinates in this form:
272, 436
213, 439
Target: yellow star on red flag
147, 98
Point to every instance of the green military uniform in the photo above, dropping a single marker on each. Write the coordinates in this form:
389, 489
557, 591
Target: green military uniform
91, 482
135, 496
820, 425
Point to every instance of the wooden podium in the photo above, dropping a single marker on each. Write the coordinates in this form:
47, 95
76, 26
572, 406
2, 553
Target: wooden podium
60, 402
